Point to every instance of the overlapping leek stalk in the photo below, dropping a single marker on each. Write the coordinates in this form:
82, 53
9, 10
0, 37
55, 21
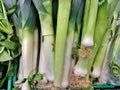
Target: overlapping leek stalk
63, 15
47, 35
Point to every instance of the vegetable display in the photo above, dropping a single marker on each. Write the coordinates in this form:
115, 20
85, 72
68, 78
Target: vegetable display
60, 44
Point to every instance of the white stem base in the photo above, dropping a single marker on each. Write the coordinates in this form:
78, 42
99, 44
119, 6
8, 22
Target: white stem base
96, 72
87, 42
25, 86
80, 72
65, 84
49, 56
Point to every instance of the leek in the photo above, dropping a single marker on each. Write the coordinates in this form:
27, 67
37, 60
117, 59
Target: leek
61, 35
24, 19
84, 65
99, 59
77, 34
85, 19
97, 66
88, 39
76, 4
104, 77
77, 70
115, 56
45, 14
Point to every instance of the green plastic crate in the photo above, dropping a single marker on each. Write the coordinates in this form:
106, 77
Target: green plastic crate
12, 79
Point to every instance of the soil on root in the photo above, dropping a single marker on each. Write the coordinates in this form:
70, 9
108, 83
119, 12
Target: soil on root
76, 83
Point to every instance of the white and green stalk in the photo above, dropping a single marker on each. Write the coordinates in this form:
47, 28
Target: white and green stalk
70, 37
25, 19
48, 40
85, 18
28, 27
84, 65
103, 15
45, 14
63, 15
104, 76
76, 6
99, 59
66, 73
77, 70
77, 33
81, 68
27, 54
20, 69
102, 20
115, 55
88, 39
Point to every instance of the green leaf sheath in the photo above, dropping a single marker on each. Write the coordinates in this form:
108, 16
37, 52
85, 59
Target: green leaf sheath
61, 35
45, 14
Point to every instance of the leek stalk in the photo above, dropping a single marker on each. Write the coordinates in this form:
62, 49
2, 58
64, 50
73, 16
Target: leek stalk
24, 19
64, 7
84, 65
97, 66
104, 76
77, 70
77, 33
76, 4
88, 39
45, 15
115, 56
